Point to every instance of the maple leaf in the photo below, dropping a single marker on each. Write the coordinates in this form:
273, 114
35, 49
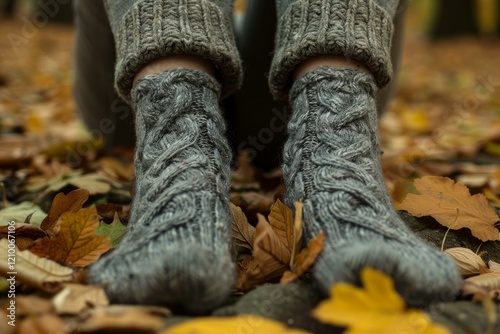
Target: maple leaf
62, 203
375, 309
306, 258
76, 243
115, 231
250, 324
33, 270
452, 206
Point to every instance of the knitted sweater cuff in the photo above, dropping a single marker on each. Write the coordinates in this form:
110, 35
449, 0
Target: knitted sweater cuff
357, 29
158, 28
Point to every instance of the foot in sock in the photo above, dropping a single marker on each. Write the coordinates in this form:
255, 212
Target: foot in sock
332, 164
176, 251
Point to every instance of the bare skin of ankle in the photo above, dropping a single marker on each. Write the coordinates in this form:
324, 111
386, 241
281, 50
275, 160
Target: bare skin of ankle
175, 61
327, 60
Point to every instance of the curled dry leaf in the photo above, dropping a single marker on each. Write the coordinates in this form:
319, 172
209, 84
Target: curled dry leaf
306, 258
243, 232
25, 234
61, 204
123, 318
490, 281
494, 266
76, 298
33, 270
77, 243
452, 206
469, 263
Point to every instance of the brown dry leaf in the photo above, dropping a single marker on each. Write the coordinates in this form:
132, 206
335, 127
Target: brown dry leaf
252, 202
243, 232
116, 169
494, 266
281, 220
44, 324
28, 306
76, 244
33, 270
123, 318
244, 174
76, 298
306, 258
26, 234
269, 260
469, 263
452, 206
61, 204
5, 328
107, 212
490, 281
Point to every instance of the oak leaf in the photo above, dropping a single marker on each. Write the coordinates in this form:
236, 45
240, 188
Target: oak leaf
250, 324
468, 262
306, 258
452, 206
25, 234
33, 270
76, 243
376, 308
61, 204
115, 231
243, 232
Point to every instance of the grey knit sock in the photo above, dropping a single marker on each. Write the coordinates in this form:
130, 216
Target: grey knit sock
176, 251
332, 164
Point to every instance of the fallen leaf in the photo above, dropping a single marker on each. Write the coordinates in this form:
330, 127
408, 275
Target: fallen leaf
25, 234
123, 318
469, 263
297, 229
244, 173
452, 206
490, 281
74, 299
243, 232
61, 204
114, 231
107, 212
252, 202
281, 221
248, 324
28, 306
376, 308
269, 259
494, 266
44, 324
33, 270
306, 258
5, 328
19, 212
76, 243
116, 169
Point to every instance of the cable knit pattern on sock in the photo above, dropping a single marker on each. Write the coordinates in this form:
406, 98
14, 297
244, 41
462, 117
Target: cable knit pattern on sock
357, 29
177, 249
155, 28
332, 164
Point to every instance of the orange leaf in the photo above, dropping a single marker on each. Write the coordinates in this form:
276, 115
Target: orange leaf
62, 204
306, 258
76, 244
452, 206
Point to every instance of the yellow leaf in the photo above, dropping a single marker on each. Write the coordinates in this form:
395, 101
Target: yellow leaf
243, 232
76, 244
306, 258
375, 309
33, 270
248, 324
452, 206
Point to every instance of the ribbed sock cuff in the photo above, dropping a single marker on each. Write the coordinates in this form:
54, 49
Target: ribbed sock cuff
153, 29
357, 29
